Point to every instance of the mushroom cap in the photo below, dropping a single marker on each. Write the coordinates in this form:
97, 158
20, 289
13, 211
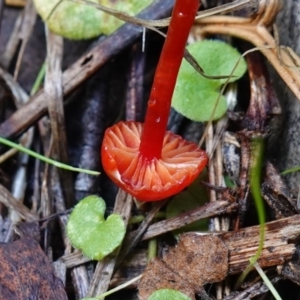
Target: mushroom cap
149, 180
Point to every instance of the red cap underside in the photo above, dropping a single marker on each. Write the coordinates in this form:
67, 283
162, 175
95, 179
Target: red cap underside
179, 165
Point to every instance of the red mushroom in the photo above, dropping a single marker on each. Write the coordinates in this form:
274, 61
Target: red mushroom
143, 159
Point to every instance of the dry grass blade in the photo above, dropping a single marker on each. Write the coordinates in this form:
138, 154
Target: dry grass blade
54, 96
20, 98
11, 202
12, 44
26, 31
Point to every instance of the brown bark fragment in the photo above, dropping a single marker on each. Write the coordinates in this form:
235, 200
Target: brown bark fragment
26, 273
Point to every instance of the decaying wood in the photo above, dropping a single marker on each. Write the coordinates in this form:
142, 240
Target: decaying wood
278, 245
254, 290
291, 269
86, 66
275, 193
27, 273
206, 211
156, 229
242, 245
201, 258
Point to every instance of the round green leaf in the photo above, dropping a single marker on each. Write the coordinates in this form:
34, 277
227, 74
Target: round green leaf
195, 96
90, 232
69, 19
198, 105
168, 294
81, 21
131, 7
218, 58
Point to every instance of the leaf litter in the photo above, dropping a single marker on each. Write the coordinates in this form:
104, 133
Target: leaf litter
88, 65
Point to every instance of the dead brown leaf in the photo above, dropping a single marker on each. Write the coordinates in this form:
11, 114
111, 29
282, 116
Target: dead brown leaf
195, 261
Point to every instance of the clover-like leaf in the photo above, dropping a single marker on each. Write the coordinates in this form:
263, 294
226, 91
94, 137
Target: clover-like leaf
194, 196
82, 21
167, 294
196, 96
90, 232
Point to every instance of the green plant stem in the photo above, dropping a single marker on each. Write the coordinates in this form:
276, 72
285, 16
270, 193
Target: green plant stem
45, 159
257, 146
39, 79
291, 170
152, 249
266, 280
255, 184
118, 288
140, 218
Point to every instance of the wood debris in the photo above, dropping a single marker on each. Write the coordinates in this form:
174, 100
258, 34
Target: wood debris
204, 258
25, 270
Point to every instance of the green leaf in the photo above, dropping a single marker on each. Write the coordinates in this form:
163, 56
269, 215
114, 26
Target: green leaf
80, 21
90, 232
194, 196
195, 96
168, 294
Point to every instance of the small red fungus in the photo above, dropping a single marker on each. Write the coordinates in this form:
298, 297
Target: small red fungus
143, 159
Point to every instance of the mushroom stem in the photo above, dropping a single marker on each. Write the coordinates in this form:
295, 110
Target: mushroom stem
159, 103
